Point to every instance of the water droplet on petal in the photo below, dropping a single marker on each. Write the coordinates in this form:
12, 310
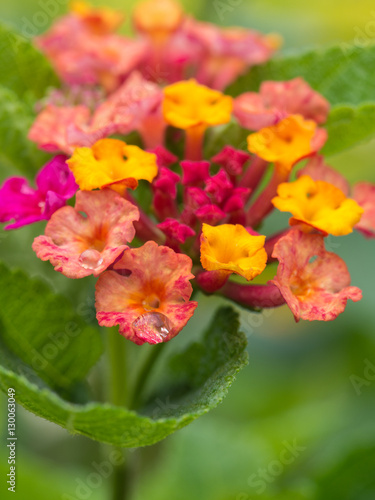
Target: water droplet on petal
90, 259
153, 327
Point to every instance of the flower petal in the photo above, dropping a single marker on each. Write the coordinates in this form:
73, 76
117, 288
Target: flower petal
88, 238
152, 303
230, 247
314, 282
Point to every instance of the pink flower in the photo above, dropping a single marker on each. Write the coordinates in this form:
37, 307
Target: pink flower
136, 105
19, 201
152, 303
79, 244
50, 130
314, 282
228, 52
82, 55
276, 101
364, 195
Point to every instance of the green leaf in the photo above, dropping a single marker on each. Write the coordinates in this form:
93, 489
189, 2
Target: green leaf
206, 370
16, 151
23, 68
42, 329
343, 73
349, 126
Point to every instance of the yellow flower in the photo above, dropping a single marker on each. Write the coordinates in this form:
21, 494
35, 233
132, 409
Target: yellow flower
231, 248
188, 104
158, 17
319, 205
112, 163
100, 21
285, 143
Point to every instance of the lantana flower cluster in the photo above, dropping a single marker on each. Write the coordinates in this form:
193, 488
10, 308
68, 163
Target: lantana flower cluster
201, 225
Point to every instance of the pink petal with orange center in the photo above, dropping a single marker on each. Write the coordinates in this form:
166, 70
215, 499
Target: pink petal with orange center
79, 245
152, 303
314, 282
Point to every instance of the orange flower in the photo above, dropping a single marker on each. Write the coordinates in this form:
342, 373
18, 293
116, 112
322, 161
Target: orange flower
319, 205
231, 248
158, 18
99, 21
112, 163
287, 142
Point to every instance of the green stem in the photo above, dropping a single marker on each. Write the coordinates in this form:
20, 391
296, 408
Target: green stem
143, 376
118, 397
118, 365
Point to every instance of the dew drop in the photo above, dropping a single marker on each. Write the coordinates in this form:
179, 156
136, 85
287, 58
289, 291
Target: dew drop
153, 327
90, 259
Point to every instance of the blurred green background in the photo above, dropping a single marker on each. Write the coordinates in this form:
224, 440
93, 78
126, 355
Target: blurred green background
299, 387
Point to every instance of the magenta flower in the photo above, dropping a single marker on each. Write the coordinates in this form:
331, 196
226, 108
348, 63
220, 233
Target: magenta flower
88, 238
24, 204
314, 282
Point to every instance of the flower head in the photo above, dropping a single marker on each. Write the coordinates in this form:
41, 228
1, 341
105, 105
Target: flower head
188, 104
24, 204
78, 245
151, 304
112, 163
231, 248
287, 142
318, 205
314, 282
